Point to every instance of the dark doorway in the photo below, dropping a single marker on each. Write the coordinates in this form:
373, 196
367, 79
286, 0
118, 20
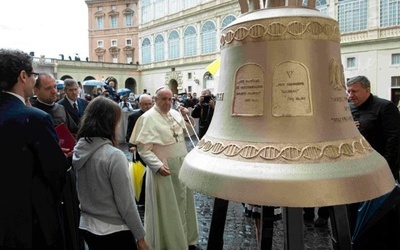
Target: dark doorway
395, 96
130, 83
173, 85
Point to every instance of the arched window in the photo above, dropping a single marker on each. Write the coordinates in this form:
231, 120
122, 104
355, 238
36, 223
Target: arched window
227, 20
173, 45
189, 38
159, 48
146, 51
208, 38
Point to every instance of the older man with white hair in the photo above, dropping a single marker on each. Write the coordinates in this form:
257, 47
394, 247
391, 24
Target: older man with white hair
170, 212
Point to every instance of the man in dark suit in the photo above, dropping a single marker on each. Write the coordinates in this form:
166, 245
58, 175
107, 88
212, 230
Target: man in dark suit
32, 182
378, 120
46, 95
145, 103
73, 105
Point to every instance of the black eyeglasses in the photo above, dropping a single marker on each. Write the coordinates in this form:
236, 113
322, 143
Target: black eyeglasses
35, 75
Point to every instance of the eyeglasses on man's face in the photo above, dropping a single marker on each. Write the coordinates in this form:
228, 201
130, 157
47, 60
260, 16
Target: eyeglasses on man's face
35, 75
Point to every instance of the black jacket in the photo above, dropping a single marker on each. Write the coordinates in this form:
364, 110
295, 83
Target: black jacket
32, 182
205, 114
58, 113
132, 118
380, 125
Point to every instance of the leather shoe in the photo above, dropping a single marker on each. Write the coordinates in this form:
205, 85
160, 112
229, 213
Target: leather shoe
320, 222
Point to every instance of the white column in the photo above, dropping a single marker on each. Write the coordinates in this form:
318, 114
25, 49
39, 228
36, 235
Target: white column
198, 45
181, 41
373, 14
166, 48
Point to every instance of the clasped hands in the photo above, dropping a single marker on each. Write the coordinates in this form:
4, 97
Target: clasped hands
164, 171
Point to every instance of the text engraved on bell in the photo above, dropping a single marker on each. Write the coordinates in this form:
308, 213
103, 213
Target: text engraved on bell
291, 90
248, 96
343, 109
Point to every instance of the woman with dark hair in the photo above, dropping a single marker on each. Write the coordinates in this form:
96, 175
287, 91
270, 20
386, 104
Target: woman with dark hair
109, 218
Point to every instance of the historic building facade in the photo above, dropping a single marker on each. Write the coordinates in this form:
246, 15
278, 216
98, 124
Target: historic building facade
173, 41
113, 31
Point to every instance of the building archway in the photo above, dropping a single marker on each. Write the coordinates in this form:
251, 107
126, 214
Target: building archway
130, 83
89, 78
173, 85
66, 77
174, 81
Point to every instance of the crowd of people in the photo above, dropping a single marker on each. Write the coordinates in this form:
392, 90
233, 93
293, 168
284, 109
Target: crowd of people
64, 199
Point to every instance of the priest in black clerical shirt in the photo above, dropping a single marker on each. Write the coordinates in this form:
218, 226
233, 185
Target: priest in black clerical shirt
45, 91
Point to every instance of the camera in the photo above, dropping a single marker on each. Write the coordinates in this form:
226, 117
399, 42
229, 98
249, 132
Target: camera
206, 99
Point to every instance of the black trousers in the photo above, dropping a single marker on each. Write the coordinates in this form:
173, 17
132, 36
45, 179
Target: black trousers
142, 196
39, 241
123, 240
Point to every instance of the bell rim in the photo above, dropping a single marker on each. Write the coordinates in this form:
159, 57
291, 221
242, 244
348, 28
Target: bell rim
288, 185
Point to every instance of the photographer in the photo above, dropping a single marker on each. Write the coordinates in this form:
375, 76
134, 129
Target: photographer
204, 110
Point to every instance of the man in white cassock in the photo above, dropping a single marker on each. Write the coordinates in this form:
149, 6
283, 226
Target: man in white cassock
170, 217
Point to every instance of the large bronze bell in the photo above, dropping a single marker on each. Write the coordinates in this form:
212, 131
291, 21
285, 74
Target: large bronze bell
282, 132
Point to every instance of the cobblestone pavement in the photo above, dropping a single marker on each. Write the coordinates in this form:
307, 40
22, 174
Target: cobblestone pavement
239, 233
